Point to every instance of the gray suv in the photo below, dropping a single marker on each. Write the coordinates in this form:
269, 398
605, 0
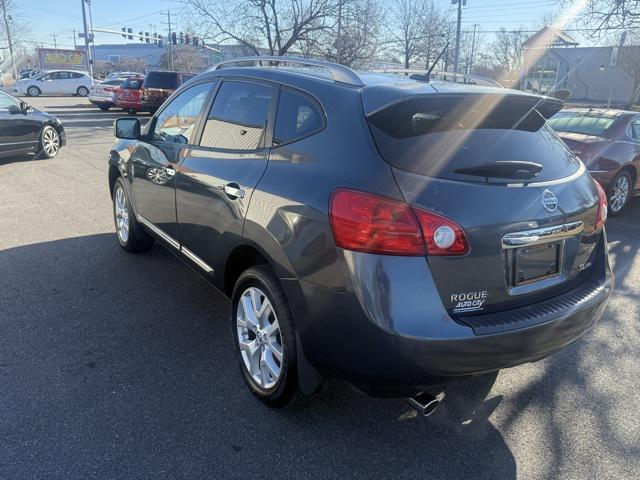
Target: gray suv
393, 233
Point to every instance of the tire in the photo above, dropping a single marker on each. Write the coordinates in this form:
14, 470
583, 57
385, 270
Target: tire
104, 108
619, 192
82, 91
132, 111
49, 142
33, 91
125, 222
265, 342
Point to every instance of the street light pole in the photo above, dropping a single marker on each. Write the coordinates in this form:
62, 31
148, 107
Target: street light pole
86, 39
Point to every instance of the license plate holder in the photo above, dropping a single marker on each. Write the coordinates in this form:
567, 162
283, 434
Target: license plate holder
534, 263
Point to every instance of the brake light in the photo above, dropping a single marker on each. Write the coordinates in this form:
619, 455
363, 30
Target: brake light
369, 223
601, 216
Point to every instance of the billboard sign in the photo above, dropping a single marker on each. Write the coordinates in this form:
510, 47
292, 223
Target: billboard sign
58, 59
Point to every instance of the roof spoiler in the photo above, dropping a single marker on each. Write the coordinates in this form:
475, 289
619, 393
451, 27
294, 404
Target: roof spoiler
549, 106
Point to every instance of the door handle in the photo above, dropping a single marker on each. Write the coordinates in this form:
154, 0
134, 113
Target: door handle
233, 190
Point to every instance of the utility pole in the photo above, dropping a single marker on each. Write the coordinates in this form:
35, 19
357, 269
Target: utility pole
339, 39
86, 39
170, 42
55, 43
75, 45
458, 28
473, 50
7, 26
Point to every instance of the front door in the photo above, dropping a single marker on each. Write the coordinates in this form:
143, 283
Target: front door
217, 177
18, 130
156, 161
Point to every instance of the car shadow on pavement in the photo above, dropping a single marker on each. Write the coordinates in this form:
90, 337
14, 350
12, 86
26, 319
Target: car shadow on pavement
123, 365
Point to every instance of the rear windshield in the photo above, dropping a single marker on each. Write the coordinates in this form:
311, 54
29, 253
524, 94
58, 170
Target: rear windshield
132, 84
461, 137
586, 124
168, 80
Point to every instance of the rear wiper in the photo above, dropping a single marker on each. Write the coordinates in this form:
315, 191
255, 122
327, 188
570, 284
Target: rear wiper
507, 169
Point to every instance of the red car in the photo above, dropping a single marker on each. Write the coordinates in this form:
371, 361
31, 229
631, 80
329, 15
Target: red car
608, 142
128, 96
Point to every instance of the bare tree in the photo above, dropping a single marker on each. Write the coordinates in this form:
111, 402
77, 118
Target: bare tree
355, 34
276, 26
407, 20
506, 52
629, 61
12, 30
603, 15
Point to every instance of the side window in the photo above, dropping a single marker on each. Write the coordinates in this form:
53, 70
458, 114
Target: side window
635, 129
5, 102
177, 120
238, 116
61, 76
48, 76
297, 117
75, 75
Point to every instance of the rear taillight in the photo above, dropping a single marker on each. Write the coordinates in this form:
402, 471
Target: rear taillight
601, 216
369, 223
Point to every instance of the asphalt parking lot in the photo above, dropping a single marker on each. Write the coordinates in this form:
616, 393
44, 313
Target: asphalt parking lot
116, 366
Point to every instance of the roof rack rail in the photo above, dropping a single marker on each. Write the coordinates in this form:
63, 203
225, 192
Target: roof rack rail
338, 72
445, 76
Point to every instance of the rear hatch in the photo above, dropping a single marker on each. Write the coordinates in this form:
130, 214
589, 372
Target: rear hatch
158, 86
490, 163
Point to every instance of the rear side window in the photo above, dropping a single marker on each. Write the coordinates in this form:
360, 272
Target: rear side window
449, 136
297, 117
580, 123
238, 117
131, 84
635, 129
168, 80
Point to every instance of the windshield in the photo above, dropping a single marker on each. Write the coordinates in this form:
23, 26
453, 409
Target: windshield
586, 124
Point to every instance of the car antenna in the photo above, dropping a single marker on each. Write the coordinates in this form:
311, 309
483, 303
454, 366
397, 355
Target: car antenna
433, 65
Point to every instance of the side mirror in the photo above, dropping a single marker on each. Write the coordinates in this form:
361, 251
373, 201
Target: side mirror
25, 107
127, 128
14, 109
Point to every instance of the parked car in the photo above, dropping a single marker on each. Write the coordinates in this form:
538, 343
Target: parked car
124, 75
55, 82
128, 96
24, 129
103, 94
28, 72
391, 233
608, 142
158, 86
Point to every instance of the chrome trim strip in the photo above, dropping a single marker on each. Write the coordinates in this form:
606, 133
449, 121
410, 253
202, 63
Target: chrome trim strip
573, 176
197, 260
161, 233
542, 235
20, 143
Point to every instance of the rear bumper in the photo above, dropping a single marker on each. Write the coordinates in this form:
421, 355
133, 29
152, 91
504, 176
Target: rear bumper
603, 177
129, 105
389, 335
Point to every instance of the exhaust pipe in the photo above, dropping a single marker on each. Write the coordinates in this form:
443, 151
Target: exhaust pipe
425, 403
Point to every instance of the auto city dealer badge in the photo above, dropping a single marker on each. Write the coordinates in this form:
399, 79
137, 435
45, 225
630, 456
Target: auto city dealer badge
549, 201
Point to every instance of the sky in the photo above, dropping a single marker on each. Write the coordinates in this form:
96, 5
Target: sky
60, 17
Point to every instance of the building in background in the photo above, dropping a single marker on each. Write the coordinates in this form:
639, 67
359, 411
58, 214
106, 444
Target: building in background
593, 75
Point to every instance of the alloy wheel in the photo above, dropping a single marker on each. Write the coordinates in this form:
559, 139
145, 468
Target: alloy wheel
50, 142
619, 193
259, 338
122, 214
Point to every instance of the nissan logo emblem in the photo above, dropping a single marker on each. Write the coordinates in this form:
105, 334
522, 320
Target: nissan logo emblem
549, 201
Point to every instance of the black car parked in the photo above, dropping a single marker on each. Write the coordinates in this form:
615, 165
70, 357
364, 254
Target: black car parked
392, 233
24, 129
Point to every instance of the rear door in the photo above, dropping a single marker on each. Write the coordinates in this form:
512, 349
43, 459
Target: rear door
216, 179
491, 164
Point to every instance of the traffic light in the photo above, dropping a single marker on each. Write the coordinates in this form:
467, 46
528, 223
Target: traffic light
130, 31
195, 41
187, 39
147, 39
181, 37
124, 32
159, 40
174, 38
140, 36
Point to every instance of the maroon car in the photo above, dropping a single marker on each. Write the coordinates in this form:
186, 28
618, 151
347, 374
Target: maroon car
608, 142
128, 97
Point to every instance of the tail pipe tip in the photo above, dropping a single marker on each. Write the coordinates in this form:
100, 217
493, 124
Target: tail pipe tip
426, 404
